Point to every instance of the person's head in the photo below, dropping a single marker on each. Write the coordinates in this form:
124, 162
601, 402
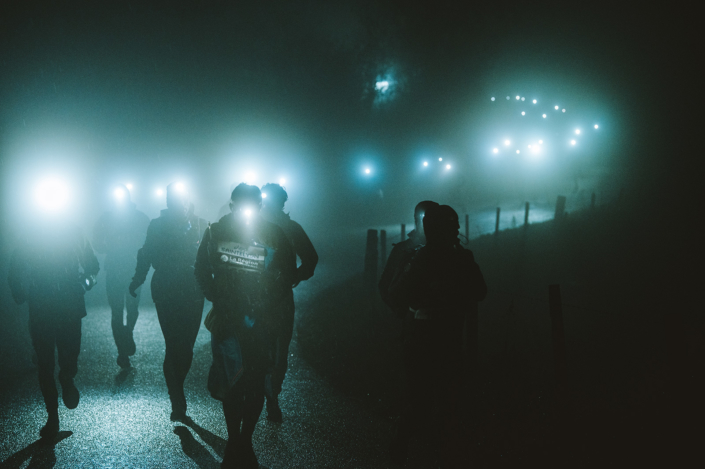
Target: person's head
121, 197
273, 197
441, 226
419, 213
177, 198
246, 199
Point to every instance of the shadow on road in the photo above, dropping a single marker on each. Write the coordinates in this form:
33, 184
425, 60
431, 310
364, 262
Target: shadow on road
214, 441
40, 453
194, 450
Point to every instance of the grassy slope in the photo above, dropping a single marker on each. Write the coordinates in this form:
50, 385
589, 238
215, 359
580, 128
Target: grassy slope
613, 273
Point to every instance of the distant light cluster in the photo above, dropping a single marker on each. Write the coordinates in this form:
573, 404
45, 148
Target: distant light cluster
536, 146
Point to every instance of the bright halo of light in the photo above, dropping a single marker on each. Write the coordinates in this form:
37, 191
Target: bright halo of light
541, 142
382, 86
264, 195
573, 142
129, 186
507, 142
508, 98
51, 194
518, 98
119, 193
495, 150
492, 98
250, 177
596, 126
544, 116
555, 107
180, 187
523, 98
523, 113
159, 192
368, 170
563, 110
440, 159
529, 145
425, 163
447, 166
518, 152
282, 181
535, 101
577, 131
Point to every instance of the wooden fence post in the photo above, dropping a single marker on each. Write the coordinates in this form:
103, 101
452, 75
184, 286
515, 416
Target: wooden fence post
526, 214
467, 226
371, 258
403, 232
496, 223
383, 246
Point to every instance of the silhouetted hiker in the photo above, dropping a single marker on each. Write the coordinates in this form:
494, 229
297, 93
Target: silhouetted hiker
170, 247
401, 255
441, 284
51, 270
119, 234
273, 211
246, 267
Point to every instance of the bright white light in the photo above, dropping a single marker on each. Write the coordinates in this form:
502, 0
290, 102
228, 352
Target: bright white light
119, 193
425, 163
518, 98
544, 116
382, 86
247, 212
447, 166
541, 142
250, 177
507, 142
492, 98
529, 145
535, 101
508, 98
577, 131
367, 170
495, 150
264, 195
523, 98
573, 142
596, 126
180, 187
563, 110
555, 107
440, 159
51, 195
518, 152
282, 181
523, 113
129, 186
159, 192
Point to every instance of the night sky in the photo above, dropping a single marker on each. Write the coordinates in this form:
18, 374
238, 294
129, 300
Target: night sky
153, 92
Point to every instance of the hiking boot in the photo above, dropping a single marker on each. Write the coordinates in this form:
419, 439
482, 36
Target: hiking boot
123, 361
51, 429
70, 394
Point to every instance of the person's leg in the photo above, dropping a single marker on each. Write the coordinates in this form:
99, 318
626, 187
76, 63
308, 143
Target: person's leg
43, 342
233, 405
132, 307
116, 300
253, 404
275, 380
68, 345
180, 323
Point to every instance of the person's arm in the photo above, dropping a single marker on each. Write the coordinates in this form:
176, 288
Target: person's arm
203, 269
87, 259
304, 249
144, 260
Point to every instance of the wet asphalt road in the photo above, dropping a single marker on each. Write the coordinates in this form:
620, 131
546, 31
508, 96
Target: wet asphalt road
123, 416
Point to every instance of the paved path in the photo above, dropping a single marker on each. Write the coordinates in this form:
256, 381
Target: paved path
123, 417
